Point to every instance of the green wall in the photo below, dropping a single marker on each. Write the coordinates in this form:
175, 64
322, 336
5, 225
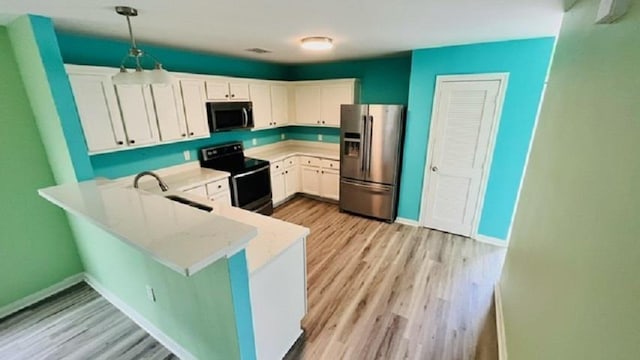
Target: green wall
382, 80
36, 245
570, 285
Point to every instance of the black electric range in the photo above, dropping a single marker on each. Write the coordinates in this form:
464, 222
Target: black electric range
250, 180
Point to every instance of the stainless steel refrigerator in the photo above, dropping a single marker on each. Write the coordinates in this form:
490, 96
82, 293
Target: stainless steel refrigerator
370, 154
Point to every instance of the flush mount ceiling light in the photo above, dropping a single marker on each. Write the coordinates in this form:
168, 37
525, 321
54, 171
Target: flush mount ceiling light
135, 55
317, 43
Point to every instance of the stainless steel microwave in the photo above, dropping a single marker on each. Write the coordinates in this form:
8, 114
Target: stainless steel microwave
229, 115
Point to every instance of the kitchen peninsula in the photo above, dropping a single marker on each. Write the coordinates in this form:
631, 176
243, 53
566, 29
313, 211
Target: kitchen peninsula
225, 273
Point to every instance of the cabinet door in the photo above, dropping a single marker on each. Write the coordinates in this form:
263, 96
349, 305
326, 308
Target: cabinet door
277, 186
332, 97
310, 177
308, 104
279, 104
239, 91
261, 99
193, 100
217, 90
98, 110
222, 198
292, 180
169, 111
330, 186
138, 115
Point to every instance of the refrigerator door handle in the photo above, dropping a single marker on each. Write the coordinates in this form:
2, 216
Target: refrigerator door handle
371, 187
369, 143
364, 151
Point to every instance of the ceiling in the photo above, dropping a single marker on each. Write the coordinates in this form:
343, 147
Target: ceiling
359, 28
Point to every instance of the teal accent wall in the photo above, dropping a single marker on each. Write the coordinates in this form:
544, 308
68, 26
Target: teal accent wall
128, 162
382, 80
310, 133
62, 94
527, 63
239, 275
91, 50
36, 245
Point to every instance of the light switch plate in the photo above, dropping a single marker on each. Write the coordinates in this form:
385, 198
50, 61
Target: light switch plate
283, 136
254, 142
187, 155
319, 137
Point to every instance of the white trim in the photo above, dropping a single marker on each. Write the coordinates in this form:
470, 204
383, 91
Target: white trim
491, 240
405, 221
504, 81
502, 340
40, 295
132, 314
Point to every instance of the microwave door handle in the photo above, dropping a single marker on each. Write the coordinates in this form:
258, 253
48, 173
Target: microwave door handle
245, 117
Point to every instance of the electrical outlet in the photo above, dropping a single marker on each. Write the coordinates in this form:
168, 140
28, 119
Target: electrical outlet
319, 137
151, 295
254, 142
283, 136
187, 155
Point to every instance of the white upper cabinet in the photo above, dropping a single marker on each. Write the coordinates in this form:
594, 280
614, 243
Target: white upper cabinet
279, 104
98, 110
169, 111
308, 104
138, 115
333, 96
261, 98
221, 90
193, 100
318, 102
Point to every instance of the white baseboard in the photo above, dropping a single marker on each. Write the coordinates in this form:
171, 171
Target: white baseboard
491, 240
409, 222
132, 314
40, 295
502, 341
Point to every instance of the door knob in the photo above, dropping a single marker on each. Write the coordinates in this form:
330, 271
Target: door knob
434, 168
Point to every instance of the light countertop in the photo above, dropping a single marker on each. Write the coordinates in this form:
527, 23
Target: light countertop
183, 179
179, 236
281, 152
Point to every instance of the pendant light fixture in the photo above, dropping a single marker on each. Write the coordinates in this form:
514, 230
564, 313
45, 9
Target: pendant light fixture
138, 76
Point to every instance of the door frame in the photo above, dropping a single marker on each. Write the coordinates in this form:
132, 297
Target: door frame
440, 79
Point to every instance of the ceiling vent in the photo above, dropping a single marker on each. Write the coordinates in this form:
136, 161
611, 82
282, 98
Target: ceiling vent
258, 51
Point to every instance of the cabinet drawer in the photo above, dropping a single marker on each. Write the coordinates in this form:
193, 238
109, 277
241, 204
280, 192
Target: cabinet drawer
309, 161
197, 191
221, 198
277, 166
217, 186
290, 162
330, 164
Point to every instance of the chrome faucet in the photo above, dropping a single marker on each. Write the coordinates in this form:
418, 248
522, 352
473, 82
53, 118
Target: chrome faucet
162, 184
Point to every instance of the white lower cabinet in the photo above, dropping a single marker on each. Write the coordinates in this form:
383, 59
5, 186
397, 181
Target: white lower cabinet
310, 177
285, 179
278, 186
291, 180
216, 191
330, 184
200, 191
279, 302
221, 198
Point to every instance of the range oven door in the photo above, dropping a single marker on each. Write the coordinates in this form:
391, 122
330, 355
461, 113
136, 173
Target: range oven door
230, 115
252, 190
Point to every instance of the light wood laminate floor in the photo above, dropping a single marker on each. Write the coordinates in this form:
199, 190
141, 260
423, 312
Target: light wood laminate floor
391, 291
76, 324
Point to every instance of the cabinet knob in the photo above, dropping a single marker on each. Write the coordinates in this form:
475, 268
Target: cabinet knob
233, 95
323, 121
321, 172
274, 123
318, 121
227, 95
191, 133
219, 186
183, 135
120, 142
132, 141
286, 172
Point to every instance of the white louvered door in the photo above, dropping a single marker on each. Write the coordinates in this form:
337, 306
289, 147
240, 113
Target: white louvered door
463, 122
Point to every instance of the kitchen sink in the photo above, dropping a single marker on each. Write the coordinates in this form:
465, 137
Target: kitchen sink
193, 204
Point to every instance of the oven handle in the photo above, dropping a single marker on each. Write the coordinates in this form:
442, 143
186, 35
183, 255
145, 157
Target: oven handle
251, 172
245, 117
